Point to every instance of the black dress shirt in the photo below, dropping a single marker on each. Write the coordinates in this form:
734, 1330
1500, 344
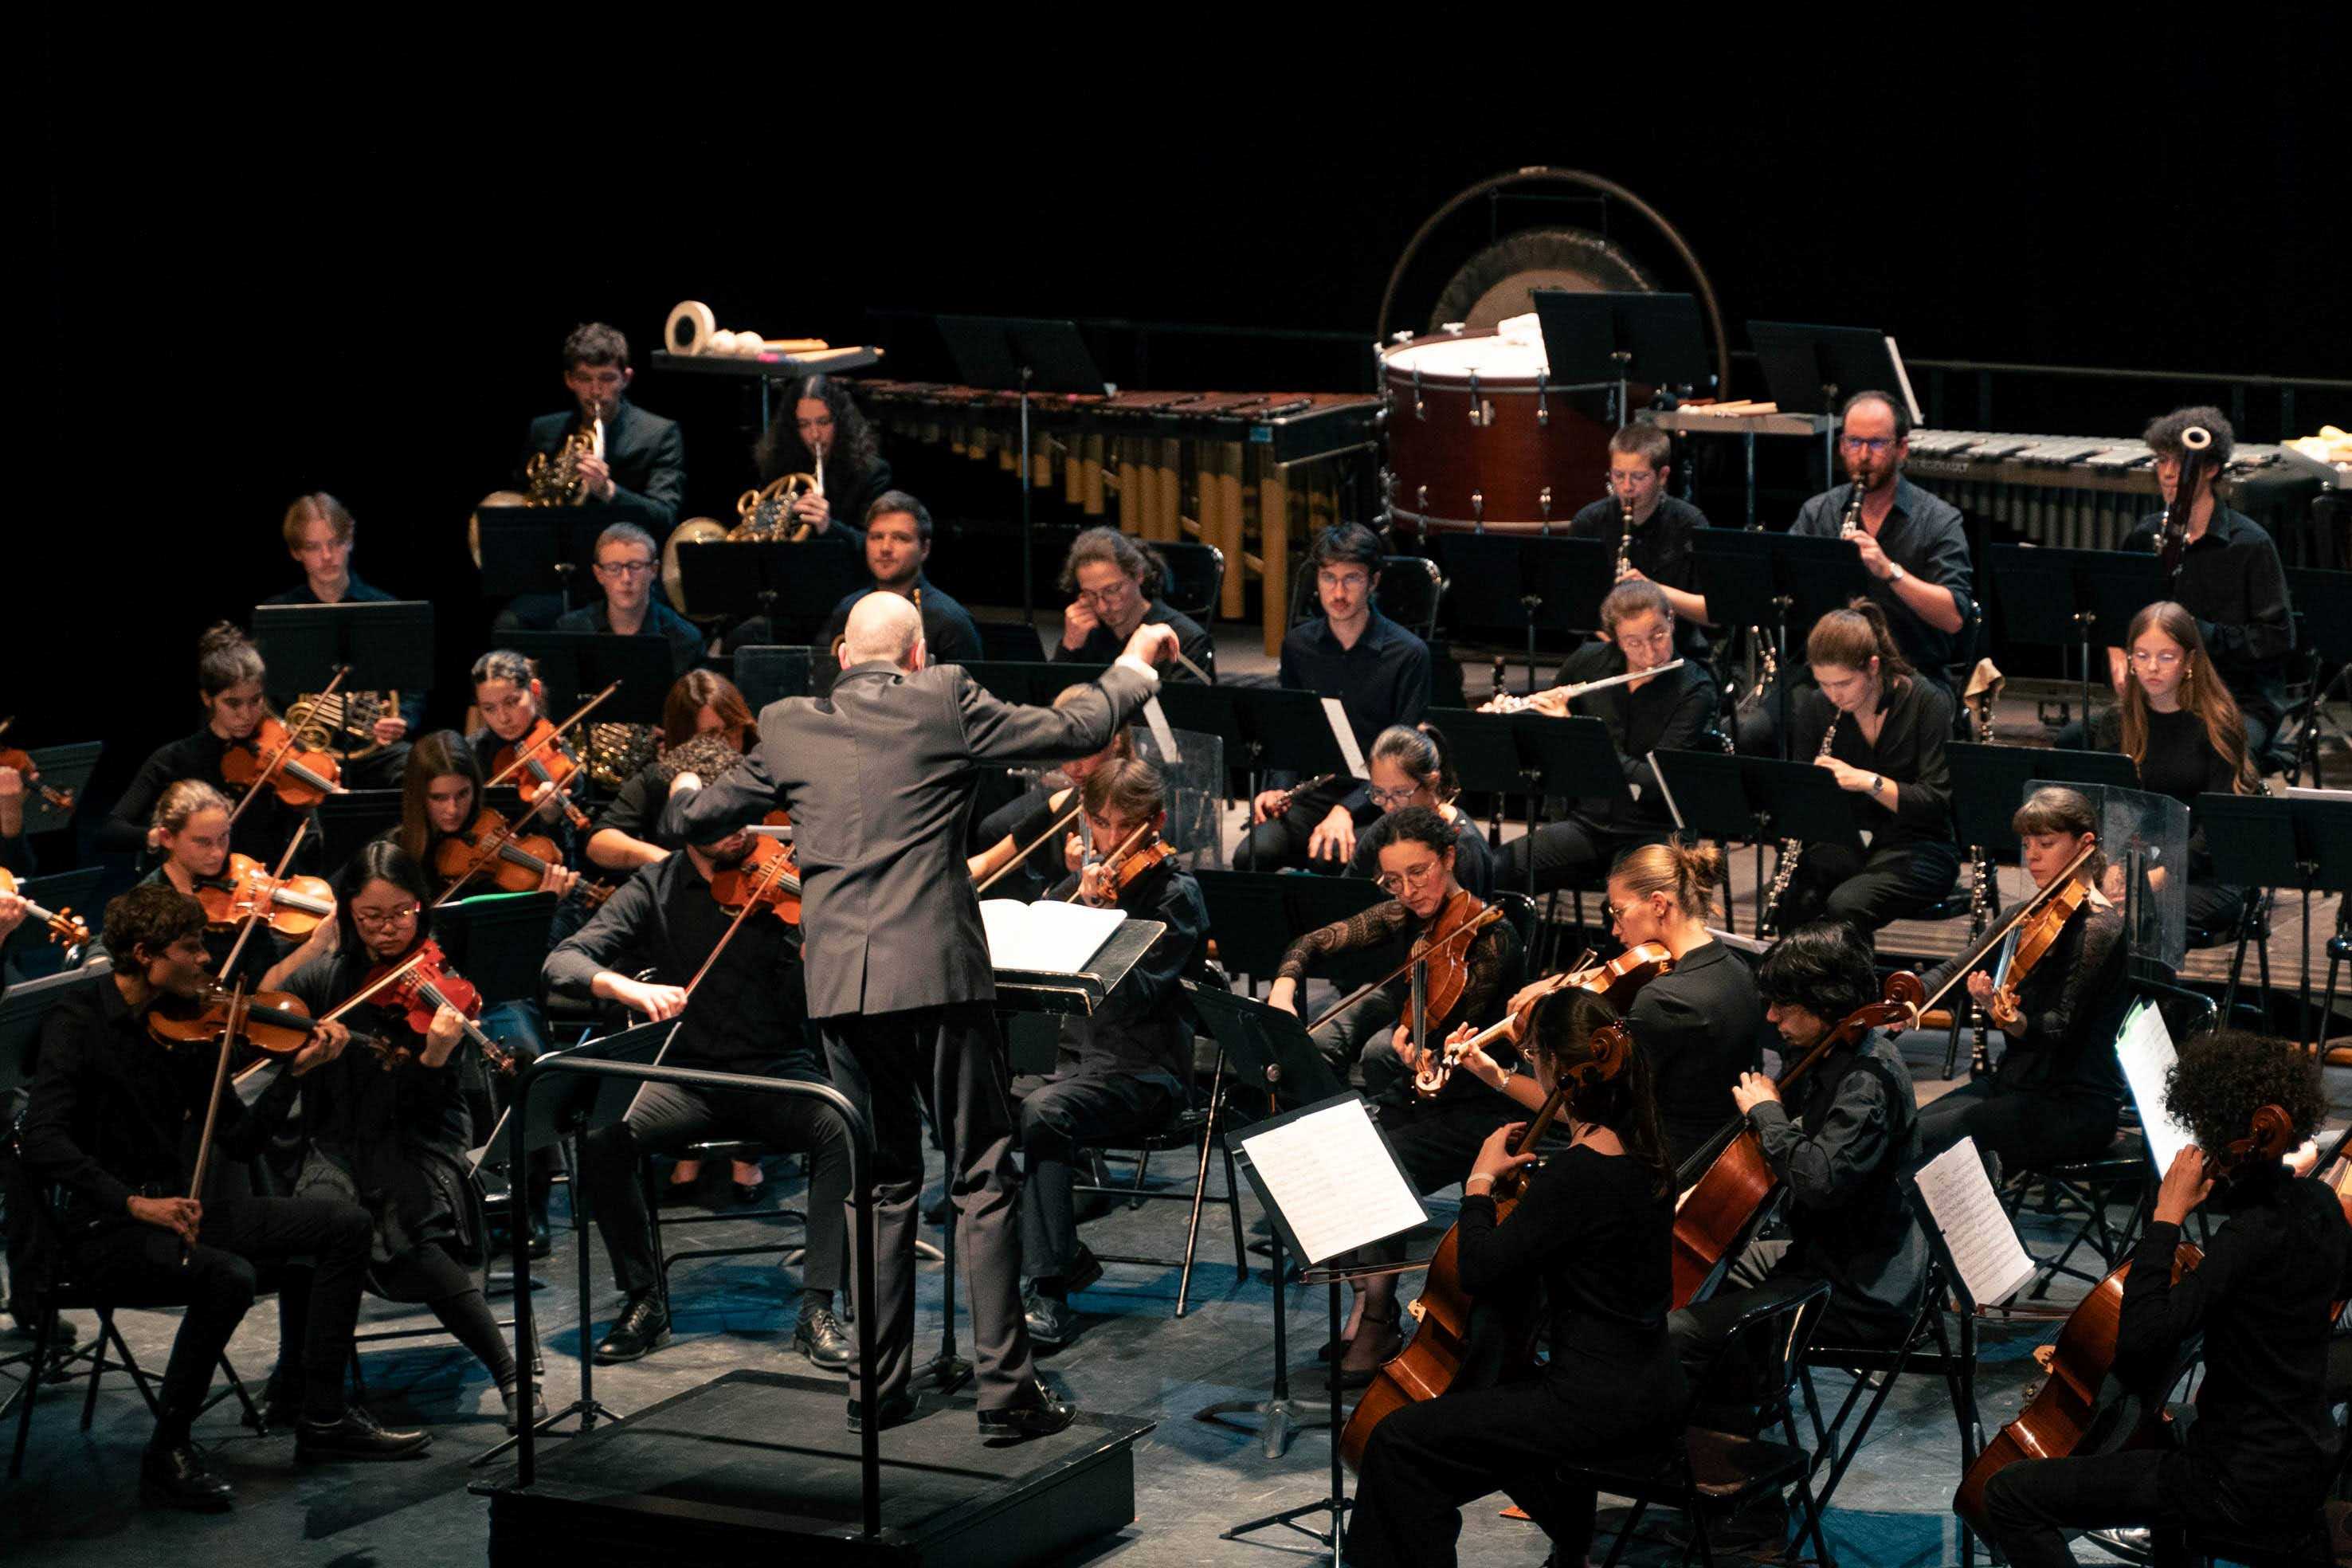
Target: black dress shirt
261, 832
1382, 680
1140, 1031
1660, 552
1670, 711
636, 809
661, 621
2073, 998
412, 704
750, 1010
645, 452
115, 1115
1909, 753
948, 634
1698, 1026
2231, 581
1474, 864
1103, 645
1925, 536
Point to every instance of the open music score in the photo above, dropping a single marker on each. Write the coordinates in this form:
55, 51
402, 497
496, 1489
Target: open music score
1978, 1234
1338, 1186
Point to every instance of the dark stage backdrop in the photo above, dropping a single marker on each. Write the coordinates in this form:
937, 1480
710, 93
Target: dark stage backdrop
353, 272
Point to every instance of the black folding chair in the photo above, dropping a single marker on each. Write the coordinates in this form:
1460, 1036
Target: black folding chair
1196, 576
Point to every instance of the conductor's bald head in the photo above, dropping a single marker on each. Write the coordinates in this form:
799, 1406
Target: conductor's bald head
883, 627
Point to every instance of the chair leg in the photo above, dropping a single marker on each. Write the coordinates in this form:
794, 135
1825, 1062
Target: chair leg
44, 1329
106, 1335
1625, 1532
1142, 1168
1193, 1225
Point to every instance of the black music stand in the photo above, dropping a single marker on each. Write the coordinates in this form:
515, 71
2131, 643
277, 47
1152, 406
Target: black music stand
1812, 369
574, 665
1257, 914
2082, 598
1033, 685
1786, 582
1284, 729
1623, 338
349, 820
567, 1108
1534, 754
64, 769
29, 949
1757, 800
794, 586
1007, 353
1988, 781
387, 647
542, 548
496, 940
1545, 584
2324, 600
770, 672
2296, 841
27, 1002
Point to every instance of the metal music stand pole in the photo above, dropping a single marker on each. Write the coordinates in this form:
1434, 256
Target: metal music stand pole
947, 1370
1028, 572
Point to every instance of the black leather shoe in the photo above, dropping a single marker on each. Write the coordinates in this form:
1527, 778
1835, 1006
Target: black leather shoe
281, 1406
1051, 1323
177, 1477
644, 1329
819, 1338
356, 1436
896, 1409
1042, 1414
538, 1407
542, 1240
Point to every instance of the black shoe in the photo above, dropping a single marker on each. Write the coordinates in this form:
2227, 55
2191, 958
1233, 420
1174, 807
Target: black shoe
819, 1338
896, 1409
1044, 1414
538, 1407
356, 1436
177, 1477
644, 1329
935, 1213
542, 1240
745, 1196
1052, 1323
281, 1406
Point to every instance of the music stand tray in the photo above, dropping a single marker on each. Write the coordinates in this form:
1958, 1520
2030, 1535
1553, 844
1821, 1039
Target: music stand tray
1614, 339
770, 672
1812, 369
27, 1002
1077, 995
349, 820
66, 769
496, 940
388, 647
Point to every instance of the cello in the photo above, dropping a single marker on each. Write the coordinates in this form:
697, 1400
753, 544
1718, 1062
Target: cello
1440, 1347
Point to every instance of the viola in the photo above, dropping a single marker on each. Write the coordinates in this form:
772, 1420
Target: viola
489, 848
545, 767
1616, 982
63, 926
769, 877
11, 757
1445, 948
421, 984
291, 906
1720, 1208
271, 759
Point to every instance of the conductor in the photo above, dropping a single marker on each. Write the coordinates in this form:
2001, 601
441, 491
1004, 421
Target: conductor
879, 778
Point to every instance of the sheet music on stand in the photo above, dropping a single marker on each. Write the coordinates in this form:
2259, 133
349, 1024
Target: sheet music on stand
1983, 1243
2144, 1046
1328, 1179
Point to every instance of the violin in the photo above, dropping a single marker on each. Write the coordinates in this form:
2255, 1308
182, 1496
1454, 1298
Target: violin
513, 862
272, 759
769, 877
2036, 935
1616, 982
274, 1023
1721, 1206
290, 906
1123, 865
547, 766
1445, 948
14, 757
63, 925
422, 984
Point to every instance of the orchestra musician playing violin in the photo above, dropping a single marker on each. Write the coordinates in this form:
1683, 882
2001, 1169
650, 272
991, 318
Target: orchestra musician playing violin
513, 704
229, 676
1115, 583
2258, 1460
743, 1008
1410, 766
2056, 995
441, 802
110, 1113
625, 561
1669, 710
1121, 1069
1044, 829
192, 833
391, 1133
318, 532
1594, 1234
628, 833
819, 430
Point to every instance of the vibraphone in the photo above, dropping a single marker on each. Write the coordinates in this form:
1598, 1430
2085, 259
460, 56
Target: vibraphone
1229, 469
2084, 493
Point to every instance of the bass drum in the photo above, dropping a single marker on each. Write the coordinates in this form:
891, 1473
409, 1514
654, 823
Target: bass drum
693, 531
1480, 440
1500, 282
473, 521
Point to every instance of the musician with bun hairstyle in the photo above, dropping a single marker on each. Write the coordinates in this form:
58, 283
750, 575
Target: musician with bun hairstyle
2258, 1460
2055, 1096
1887, 752
1411, 766
2184, 731
229, 676
1594, 1232
1116, 582
1026, 822
1668, 710
2228, 580
818, 429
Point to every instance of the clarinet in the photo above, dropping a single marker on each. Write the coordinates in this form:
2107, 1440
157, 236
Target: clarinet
1791, 851
1851, 524
1624, 539
1981, 912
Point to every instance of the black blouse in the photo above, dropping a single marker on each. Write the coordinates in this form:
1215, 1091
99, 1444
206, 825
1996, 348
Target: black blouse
1910, 753
261, 832
1698, 1027
2073, 999
2180, 761
1669, 712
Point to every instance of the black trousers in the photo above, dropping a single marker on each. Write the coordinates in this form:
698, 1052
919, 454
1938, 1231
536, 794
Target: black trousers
1362, 1031
666, 1117
2023, 1127
949, 1061
1866, 891
427, 1275
1061, 1114
2031, 1504
139, 1266
1570, 853
1279, 843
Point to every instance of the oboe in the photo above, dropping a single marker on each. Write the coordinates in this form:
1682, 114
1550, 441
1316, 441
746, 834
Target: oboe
1791, 849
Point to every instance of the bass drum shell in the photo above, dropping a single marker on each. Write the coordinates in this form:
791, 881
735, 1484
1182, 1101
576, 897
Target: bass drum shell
1500, 282
474, 521
1478, 439
693, 531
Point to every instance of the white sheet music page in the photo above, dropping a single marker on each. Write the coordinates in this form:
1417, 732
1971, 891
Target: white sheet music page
1977, 1230
2144, 1046
1334, 1179
1345, 734
1044, 938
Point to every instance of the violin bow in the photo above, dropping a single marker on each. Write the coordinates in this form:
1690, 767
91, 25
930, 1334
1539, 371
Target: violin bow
1112, 858
261, 780
526, 753
1035, 845
484, 854
770, 875
238, 1004
1471, 927
1992, 938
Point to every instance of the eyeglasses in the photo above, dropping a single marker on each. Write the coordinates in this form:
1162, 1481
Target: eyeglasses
1413, 877
1874, 444
2162, 658
1349, 582
1112, 595
1388, 799
382, 919
623, 568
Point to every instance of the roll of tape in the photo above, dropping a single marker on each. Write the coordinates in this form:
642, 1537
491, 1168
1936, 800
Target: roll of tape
689, 328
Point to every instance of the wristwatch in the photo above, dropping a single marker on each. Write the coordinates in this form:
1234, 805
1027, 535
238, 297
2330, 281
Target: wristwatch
1877, 783
1894, 573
